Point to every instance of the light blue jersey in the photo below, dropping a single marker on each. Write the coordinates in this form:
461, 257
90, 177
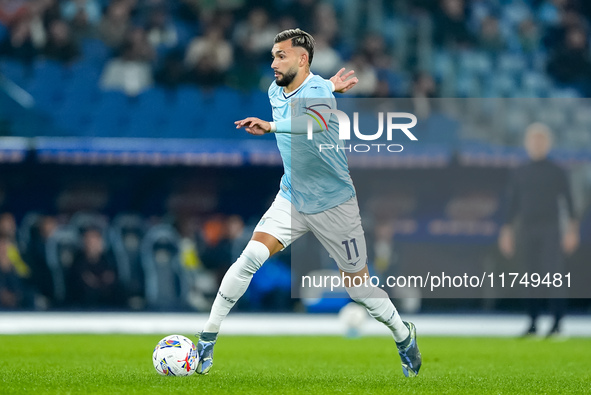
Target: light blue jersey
313, 181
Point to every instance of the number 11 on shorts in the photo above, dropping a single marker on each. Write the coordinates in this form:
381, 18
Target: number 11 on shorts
348, 249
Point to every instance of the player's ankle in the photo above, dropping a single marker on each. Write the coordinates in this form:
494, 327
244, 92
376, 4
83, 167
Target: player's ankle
208, 336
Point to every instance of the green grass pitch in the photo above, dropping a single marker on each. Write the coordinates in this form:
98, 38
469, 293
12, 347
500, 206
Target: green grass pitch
121, 364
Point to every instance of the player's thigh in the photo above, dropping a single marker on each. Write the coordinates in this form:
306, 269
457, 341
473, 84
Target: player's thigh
339, 230
282, 222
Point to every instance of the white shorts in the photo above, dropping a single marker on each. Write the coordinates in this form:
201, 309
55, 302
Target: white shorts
338, 229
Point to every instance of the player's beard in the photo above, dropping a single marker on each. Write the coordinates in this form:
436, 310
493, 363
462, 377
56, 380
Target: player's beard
286, 78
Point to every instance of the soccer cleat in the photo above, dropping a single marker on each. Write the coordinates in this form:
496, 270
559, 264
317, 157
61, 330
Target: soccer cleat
205, 351
409, 352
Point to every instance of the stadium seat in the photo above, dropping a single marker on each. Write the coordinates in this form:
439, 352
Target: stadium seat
47, 85
15, 71
83, 220
511, 63
60, 250
443, 65
25, 229
125, 235
94, 50
149, 122
111, 117
475, 63
189, 114
467, 85
535, 83
160, 262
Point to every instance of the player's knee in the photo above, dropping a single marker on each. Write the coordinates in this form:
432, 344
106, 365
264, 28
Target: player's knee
255, 254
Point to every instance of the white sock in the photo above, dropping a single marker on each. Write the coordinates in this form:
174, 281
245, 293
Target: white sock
379, 306
235, 283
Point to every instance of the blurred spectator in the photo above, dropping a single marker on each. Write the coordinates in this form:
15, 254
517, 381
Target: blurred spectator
326, 59
374, 48
424, 85
556, 35
529, 36
172, 72
237, 235
11, 286
161, 32
209, 57
8, 226
40, 16
8, 230
490, 38
450, 25
10, 11
325, 22
287, 22
366, 73
131, 72
549, 11
189, 255
216, 249
83, 17
90, 10
301, 11
37, 257
60, 45
252, 38
423, 89
375, 51
93, 281
254, 35
571, 64
115, 23
137, 40
19, 44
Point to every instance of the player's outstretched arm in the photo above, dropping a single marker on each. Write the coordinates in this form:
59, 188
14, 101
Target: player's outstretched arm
254, 126
342, 83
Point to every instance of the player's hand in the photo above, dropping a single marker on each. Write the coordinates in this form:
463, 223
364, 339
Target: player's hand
507, 242
342, 83
254, 126
570, 241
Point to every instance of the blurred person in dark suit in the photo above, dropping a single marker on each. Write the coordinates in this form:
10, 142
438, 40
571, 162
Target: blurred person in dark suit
534, 194
36, 255
93, 280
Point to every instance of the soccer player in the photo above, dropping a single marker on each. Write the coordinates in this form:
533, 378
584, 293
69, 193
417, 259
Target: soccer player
322, 200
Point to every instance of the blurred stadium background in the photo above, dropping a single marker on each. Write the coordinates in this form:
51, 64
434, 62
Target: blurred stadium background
118, 141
